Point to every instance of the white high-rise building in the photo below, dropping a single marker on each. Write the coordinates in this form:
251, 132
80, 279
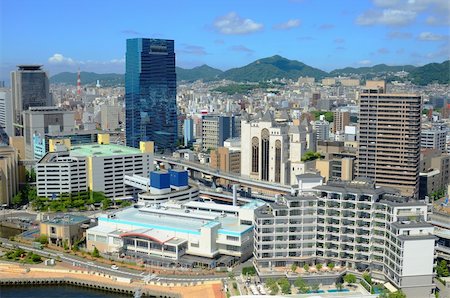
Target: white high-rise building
6, 112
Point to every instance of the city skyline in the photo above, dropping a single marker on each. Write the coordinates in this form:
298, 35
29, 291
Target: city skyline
327, 37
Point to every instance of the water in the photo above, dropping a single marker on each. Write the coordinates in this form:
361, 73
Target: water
338, 291
6, 232
59, 291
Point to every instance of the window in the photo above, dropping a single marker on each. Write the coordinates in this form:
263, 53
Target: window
255, 155
53, 230
232, 238
101, 238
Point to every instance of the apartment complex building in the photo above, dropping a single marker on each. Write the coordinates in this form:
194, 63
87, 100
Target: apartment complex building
389, 138
353, 224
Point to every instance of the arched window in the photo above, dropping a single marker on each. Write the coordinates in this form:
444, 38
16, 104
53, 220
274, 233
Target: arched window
278, 161
265, 154
255, 155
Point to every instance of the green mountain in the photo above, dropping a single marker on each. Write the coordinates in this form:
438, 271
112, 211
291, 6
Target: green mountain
272, 68
432, 72
88, 78
203, 72
379, 68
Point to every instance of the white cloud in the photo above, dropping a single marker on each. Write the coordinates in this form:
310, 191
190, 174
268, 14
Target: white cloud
233, 24
60, 59
364, 62
287, 25
403, 12
428, 36
390, 17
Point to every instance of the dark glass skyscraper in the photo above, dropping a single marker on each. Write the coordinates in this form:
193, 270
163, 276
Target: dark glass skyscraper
150, 92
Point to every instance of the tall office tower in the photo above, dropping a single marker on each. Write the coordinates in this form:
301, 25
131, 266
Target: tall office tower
6, 112
29, 88
44, 120
340, 121
150, 93
389, 138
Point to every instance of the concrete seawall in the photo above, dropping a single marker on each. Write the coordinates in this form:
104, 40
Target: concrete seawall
123, 289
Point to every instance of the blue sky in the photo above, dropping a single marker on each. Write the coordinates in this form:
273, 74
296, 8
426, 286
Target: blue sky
64, 35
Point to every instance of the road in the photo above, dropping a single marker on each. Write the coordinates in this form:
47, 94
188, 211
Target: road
225, 175
96, 266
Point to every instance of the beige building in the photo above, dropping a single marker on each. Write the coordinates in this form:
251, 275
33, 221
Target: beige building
70, 228
226, 160
337, 168
9, 174
18, 143
389, 138
110, 117
340, 121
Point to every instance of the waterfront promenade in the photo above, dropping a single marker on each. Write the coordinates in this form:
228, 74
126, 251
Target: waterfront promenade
13, 273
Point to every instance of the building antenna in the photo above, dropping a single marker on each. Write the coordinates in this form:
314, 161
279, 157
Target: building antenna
78, 83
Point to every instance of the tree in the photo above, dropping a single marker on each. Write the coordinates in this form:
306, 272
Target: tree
331, 265
95, 253
306, 267
442, 269
66, 244
294, 267
43, 239
301, 285
311, 155
284, 285
315, 287
366, 276
17, 199
350, 278
319, 266
398, 294
32, 194
339, 286
272, 285
106, 203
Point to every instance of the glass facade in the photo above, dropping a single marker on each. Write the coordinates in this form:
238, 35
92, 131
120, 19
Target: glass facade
150, 93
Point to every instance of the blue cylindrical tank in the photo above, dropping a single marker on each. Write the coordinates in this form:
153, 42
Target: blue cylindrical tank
178, 178
160, 180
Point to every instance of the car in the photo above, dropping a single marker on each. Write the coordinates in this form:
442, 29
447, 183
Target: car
90, 263
114, 267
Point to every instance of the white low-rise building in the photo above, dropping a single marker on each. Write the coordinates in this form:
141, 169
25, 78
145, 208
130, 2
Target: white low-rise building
185, 233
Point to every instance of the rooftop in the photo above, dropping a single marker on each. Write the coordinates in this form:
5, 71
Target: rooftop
105, 150
67, 219
172, 219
